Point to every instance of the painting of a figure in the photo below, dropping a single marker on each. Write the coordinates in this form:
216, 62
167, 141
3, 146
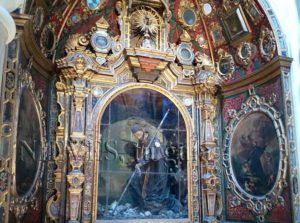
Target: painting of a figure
255, 154
142, 166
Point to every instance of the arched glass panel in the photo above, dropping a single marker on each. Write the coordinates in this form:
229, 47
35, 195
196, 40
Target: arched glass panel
142, 171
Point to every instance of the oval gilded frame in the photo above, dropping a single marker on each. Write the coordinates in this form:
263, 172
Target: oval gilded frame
258, 205
26, 84
183, 8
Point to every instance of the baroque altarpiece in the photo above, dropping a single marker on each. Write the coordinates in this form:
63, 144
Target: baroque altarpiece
147, 111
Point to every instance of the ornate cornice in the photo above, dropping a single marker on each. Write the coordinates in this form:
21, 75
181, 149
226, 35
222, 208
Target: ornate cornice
262, 75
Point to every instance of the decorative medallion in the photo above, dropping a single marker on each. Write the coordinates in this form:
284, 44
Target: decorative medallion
267, 44
188, 15
185, 54
225, 66
207, 9
117, 47
93, 4
74, 19
253, 11
216, 33
101, 42
48, 40
202, 41
245, 54
145, 23
255, 155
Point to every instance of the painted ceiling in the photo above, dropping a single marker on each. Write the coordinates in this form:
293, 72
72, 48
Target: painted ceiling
238, 28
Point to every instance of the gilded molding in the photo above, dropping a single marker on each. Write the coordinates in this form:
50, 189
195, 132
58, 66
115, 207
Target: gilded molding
193, 181
262, 75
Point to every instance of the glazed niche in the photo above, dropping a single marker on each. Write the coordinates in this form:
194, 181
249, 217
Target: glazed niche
161, 189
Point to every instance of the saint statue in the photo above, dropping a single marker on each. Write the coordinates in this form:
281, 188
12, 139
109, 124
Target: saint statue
150, 188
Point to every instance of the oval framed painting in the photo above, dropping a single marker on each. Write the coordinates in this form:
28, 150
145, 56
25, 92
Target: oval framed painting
255, 155
30, 141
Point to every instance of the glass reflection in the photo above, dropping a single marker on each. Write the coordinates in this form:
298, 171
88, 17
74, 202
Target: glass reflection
93, 4
101, 41
186, 54
189, 17
28, 143
142, 171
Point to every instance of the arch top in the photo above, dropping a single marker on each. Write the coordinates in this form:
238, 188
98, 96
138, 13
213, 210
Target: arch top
101, 105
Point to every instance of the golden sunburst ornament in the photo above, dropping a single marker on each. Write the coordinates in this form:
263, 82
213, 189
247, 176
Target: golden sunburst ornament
145, 23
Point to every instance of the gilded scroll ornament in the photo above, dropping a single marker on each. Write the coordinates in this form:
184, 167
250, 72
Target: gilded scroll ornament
203, 62
245, 54
48, 39
267, 44
225, 65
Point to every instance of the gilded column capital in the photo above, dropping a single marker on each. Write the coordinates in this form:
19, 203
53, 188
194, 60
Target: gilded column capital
207, 81
76, 65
